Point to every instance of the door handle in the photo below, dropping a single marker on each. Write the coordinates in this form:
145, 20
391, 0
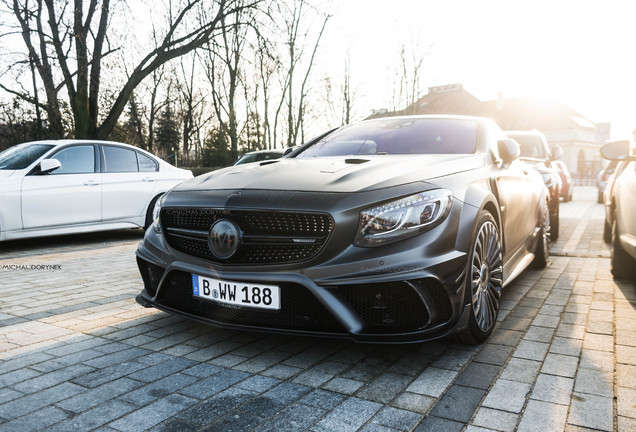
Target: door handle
91, 183
147, 179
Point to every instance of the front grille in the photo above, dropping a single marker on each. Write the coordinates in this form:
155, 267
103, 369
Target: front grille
267, 237
300, 309
387, 307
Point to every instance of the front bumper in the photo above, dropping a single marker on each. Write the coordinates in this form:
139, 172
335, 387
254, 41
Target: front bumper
411, 292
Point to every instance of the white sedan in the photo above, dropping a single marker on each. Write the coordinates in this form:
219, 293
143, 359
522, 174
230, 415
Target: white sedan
73, 186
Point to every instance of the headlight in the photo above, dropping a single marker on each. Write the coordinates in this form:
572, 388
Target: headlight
156, 212
403, 218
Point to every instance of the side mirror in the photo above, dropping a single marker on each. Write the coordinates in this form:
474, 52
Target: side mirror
617, 150
508, 150
557, 152
47, 166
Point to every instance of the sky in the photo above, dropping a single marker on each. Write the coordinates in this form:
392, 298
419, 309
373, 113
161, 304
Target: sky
582, 53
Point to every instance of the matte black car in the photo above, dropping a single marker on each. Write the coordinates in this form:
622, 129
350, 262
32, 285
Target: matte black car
537, 155
398, 229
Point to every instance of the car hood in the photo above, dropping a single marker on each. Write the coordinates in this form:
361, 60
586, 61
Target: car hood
6, 173
335, 174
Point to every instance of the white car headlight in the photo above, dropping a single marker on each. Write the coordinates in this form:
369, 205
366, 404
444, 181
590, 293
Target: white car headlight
156, 212
403, 218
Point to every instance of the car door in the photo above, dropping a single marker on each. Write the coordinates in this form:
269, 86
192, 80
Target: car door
70, 195
129, 181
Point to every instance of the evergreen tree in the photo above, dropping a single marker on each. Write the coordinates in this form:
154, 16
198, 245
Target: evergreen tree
167, 134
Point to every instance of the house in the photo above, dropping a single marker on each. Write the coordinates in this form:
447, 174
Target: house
579, 137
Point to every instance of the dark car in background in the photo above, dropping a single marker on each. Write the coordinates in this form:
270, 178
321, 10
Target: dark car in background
397, 229
620, 206
259, 156
537, 155
566, 180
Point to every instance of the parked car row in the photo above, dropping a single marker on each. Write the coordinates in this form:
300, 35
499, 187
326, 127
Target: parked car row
398, 229
620, 207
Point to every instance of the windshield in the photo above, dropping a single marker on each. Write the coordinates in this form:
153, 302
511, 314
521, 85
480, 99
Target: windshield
21, 156
399, 136
531, 146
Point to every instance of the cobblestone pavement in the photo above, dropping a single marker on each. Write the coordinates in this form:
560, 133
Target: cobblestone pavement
77, 353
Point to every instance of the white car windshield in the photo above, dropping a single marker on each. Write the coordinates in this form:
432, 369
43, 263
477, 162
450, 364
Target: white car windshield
399, 136
23, 155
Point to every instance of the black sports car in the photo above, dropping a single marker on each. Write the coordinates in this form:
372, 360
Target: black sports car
398, 229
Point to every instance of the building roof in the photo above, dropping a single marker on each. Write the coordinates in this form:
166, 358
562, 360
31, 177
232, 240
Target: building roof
510, 114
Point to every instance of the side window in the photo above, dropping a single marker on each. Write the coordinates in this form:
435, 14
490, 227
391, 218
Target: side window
118, 159
146, 164
75, 160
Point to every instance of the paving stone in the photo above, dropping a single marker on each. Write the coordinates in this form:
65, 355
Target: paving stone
494, 354
555, 389
431, 423
495, 419
396, 419
214, 384
432, 382
478, 375
40, 419
594, 412
154, 413
594, 381
93, 397
566, 346
213, 409
507, 395
349, 416
343, 385
33, 402
293, 418
562, 365
276, 399
540, 334
322, 399
598, 342
626, 399
319, 374
258, 384
384, 388
521, 370
458, 403
543, 416
414, 402
531, 350
505, 337
626, 375
95, 417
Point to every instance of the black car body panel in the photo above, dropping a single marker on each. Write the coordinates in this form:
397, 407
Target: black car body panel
300, 221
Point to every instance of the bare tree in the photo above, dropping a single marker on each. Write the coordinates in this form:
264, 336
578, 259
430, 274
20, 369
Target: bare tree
71, 39
297, 33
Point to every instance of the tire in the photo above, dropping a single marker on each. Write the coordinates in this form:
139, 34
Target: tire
542, 251
607, 232
484, 280
622, 263
151, 207
554, 226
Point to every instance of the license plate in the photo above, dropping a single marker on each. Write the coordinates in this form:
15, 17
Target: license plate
240, 294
